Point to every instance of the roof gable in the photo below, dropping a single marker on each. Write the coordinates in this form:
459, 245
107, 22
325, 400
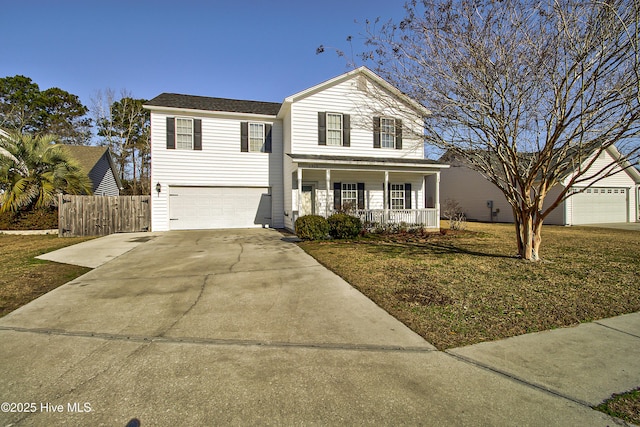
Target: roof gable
88, 156
368, 74
226, 105
205, 103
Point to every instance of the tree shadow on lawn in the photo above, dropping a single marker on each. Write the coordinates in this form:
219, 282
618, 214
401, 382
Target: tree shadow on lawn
428, 248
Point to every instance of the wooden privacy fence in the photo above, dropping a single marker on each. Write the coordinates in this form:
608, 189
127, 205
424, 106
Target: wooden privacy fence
102, 215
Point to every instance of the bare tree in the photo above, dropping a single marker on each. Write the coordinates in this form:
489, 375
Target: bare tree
123, 125
526, 92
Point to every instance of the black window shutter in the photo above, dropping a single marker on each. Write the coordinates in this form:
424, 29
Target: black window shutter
337, 195
376, 132
171, 133
361, 195
346, 130
398, 134
267, 138
322, 128
407, 196
197, 134
244, 137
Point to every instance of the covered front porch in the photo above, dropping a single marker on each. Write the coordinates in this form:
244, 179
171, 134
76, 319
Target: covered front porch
378, 191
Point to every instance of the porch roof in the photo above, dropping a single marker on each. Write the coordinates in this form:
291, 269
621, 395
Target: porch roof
370, 162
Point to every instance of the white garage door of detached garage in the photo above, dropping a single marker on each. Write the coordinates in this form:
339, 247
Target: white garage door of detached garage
193, 208
599, 205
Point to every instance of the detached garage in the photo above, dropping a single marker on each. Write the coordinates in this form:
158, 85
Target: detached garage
192, 208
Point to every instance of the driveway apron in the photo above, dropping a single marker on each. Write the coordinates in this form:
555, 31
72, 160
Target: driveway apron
240, 327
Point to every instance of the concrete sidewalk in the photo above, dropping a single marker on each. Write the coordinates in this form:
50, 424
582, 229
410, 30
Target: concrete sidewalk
96, 252
240, 327
585, 364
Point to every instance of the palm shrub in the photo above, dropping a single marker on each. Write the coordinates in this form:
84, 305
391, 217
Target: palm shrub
33, 170
343, 226
312, 227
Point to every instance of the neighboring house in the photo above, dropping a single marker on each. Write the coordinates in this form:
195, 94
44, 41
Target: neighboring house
611, 199
223, 163
98, 164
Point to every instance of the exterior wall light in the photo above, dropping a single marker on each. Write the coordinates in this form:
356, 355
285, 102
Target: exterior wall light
158, 188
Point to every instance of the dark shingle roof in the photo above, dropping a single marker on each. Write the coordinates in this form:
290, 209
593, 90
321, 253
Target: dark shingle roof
86, 155
193, 102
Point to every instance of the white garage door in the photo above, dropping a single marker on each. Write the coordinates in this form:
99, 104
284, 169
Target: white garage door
599, 205
192, 208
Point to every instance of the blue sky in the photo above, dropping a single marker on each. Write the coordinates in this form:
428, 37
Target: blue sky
244, 49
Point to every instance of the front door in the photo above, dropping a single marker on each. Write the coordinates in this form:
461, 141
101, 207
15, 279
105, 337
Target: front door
308, 205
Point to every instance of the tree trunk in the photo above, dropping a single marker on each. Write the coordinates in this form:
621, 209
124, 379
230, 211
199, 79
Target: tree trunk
537, 238
527, 237
526, 229
518, 224
133, 165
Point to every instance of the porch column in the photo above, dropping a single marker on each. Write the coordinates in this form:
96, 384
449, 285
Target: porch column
437, 200
386, 196
328, 203
299, 201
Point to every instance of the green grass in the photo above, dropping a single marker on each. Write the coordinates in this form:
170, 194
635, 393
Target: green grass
24, 278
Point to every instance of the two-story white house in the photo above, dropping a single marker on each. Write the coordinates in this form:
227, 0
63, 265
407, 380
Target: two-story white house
352, 143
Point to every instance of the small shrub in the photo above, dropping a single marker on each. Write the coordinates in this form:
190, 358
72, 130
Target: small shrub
453, 212
343, 226
36, 219
312, 227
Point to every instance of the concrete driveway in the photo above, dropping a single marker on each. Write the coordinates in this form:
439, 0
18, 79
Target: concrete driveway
241, 327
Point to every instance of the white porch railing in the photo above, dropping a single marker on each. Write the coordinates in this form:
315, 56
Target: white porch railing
426, 217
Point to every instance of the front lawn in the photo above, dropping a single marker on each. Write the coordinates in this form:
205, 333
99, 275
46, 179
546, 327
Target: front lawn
468, 287
24, 278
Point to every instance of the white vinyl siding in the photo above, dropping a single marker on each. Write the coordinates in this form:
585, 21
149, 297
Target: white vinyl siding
184, 134
219, 164
256, 137
344, 97
387, 132
472, 191
334, 129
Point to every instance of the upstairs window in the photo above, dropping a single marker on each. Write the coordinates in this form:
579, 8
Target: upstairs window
387, 133
184, 134
334, 129
256, 137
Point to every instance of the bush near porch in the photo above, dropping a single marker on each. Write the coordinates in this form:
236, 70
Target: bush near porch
463, 287
312, 227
